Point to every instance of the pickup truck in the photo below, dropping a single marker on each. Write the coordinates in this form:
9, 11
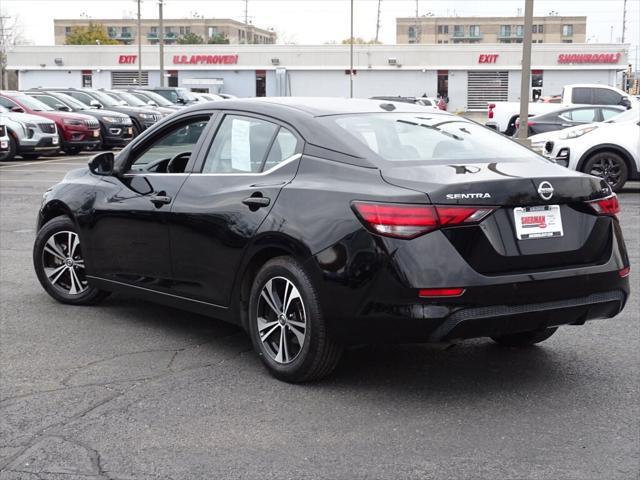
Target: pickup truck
503, 115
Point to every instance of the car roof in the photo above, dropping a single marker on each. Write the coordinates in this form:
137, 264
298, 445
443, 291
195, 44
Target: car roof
324, 106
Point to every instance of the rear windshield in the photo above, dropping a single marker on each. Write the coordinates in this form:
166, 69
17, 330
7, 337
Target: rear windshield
399, 137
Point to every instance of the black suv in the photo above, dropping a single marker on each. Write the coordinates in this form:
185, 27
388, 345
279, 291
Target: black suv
142, 118
116, 129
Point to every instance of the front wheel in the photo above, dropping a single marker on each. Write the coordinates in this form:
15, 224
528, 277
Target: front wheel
524, 339
286, 324
71, 150
609, 166
30, 156
11, 153
59, 264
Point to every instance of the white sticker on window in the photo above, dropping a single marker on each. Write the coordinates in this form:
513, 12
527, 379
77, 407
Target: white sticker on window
241, 145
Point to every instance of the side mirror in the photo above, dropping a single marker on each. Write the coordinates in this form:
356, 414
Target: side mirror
95, 103
626, 102
181, 101
17, 109
63, 108
102, 164
152, 103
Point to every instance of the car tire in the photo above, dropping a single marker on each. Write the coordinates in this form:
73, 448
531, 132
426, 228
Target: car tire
30, 156
524, 339
11, 153
59, 265
609, 166
298, 347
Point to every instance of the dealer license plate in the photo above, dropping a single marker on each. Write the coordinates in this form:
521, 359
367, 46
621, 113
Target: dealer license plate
538, 222
96, 133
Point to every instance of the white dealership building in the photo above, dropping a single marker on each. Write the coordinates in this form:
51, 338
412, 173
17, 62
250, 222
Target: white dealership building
470, 75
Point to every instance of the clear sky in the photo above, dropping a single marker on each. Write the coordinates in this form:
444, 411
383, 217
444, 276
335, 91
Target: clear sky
320, 21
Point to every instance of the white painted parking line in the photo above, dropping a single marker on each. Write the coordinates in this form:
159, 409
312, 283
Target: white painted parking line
3, 167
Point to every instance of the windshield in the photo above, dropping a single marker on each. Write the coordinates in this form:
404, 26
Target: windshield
72, 102
131, 99
432, 138
159, 99
105, 99
632, 115
3, 109
186, 94
33, 103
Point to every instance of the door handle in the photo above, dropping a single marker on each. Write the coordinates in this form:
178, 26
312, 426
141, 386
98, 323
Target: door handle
255, 202
160, 199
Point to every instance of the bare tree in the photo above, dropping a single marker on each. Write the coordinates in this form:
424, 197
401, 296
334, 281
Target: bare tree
11, 34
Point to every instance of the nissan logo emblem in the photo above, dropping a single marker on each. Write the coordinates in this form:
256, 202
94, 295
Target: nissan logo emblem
545, 190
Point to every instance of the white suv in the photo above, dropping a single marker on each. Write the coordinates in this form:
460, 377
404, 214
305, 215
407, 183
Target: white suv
28, 135
610, 150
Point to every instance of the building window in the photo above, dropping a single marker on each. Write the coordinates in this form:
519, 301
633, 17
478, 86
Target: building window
213, 31
439, 41
112, 32
87, 79
567, 30
458, 30
567, 41
67, 30
443, 29
446, 41
519, 30
474, 31
505, 30
181, 30
540, 28
535, 29
187, 30
412, 32
154, 30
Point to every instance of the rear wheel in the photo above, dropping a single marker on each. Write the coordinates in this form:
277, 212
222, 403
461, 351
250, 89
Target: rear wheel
286, 324
524, 339
59, 264
609, 166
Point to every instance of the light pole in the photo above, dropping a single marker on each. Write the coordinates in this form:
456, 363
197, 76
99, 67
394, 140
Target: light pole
161, 33
351, 55
139, 46
526, 72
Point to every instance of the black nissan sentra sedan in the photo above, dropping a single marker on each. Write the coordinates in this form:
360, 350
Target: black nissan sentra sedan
319, 223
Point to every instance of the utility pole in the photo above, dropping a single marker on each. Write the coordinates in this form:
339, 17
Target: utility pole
246, 21
378, 21
525, 75
139, 46
624, 20
160, 5
351, 56
5, 34
416, 22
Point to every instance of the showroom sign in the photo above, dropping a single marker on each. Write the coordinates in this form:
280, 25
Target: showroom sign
205, 59
589, 58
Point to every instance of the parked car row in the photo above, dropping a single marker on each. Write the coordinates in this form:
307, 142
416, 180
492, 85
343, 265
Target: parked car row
43, 120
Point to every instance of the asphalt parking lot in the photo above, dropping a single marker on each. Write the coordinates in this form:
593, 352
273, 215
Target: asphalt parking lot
130, 390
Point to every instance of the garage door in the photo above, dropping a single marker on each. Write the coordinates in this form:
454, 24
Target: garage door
484, 87
128, 79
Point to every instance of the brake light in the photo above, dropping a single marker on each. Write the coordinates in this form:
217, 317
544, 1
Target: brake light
440, 292
410, 221
624, 272
606, 206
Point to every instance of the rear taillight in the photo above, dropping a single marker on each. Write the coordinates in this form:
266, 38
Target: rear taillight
606, 206
440, 292
410, 221
624, 273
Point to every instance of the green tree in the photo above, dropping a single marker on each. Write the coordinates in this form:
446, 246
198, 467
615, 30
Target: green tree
190, 39
91, 35
218, 38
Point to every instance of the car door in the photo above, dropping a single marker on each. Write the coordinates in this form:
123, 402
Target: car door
219, 208
128, 230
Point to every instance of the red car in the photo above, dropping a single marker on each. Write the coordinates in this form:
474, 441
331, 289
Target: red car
77, 131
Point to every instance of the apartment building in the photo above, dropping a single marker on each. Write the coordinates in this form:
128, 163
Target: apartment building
126, 30
447, 30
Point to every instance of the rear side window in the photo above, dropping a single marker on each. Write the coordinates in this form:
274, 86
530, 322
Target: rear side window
398, 137
284, 147
240, 145
582, 95
604, 96
83, 97
608, 113
583, 115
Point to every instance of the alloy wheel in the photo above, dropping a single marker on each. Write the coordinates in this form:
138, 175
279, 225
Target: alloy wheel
63, 263
608, 169
282, 321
